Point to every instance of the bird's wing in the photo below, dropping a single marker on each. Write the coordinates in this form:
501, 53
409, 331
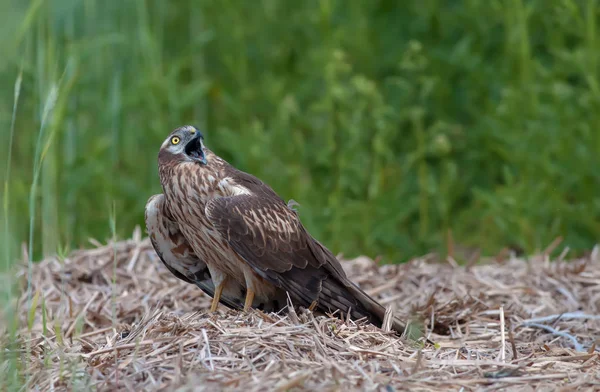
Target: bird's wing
176, 253
269, 236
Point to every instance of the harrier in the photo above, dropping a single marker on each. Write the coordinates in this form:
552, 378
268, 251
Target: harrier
233, 236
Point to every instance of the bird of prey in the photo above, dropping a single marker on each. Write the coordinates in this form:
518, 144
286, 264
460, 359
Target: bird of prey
234, 237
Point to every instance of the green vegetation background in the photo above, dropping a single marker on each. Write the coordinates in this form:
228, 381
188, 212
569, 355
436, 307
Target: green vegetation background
390, 122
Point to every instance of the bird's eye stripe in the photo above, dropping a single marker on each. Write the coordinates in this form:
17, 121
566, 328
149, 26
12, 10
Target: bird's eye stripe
175, 140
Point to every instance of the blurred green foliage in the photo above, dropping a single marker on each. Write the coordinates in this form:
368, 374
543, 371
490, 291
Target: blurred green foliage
390, 122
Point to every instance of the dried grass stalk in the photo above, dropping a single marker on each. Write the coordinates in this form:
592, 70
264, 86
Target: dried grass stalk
150, 331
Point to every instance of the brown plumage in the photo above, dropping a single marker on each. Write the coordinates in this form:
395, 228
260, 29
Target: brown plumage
179, 257
217, 218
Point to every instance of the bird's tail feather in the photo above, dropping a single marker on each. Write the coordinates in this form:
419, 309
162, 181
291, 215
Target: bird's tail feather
346, 295
374, 308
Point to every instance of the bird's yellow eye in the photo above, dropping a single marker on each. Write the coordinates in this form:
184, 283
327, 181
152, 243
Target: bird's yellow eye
175, 140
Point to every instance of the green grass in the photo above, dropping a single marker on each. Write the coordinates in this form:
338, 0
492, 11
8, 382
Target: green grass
389, 122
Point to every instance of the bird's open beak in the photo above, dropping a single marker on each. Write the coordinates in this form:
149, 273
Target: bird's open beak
194, 149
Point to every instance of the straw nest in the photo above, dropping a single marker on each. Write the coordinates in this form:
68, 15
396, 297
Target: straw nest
115, 319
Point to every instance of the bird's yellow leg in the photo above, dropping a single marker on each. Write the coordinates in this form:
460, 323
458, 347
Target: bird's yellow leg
217, 297
249, 299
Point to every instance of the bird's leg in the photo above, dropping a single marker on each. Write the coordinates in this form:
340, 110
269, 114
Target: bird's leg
219, 280
252, 282
217, 297
249, 299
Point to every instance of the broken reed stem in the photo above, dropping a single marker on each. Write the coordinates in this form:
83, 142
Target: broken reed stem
502, 335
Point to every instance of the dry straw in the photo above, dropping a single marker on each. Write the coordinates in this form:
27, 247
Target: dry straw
505, 323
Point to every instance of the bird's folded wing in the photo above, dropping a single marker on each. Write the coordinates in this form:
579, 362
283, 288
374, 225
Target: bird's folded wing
268, 235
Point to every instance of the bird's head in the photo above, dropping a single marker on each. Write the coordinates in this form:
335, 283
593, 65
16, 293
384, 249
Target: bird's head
184, 144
